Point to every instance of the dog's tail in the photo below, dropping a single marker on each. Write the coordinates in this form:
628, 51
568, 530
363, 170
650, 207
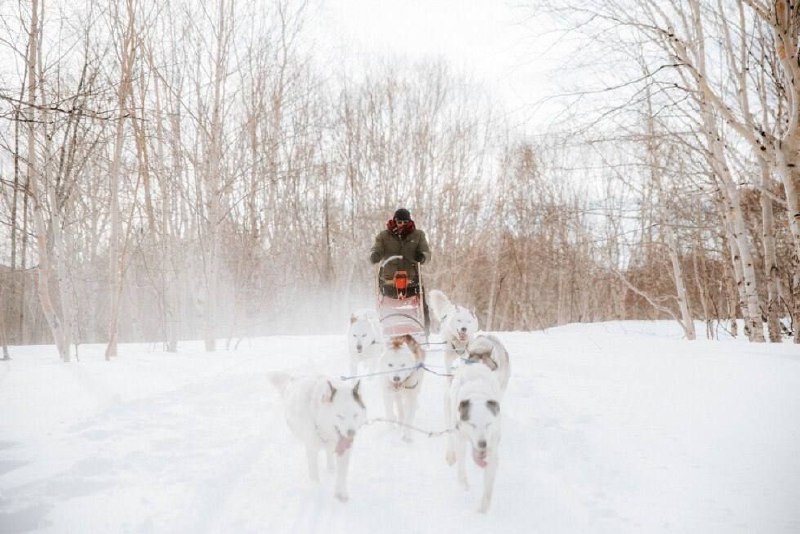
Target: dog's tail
438, 303
279, 380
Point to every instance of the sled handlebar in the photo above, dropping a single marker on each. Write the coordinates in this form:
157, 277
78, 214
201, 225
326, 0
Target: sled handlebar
390, 259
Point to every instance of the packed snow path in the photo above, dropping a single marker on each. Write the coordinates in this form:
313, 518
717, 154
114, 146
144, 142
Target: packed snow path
614, 427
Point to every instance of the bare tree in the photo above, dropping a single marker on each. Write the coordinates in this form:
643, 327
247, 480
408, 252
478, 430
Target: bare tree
55, 318
127, 57
3, 329
715, 104
783, 18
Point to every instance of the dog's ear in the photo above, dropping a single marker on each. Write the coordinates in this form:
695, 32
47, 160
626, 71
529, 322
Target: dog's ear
353, 318
328, 396
463, 410
415, 348
493, 406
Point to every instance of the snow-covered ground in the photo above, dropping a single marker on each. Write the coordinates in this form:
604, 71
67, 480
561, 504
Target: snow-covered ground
612, 427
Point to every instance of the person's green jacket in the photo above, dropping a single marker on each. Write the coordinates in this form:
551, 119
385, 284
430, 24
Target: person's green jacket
412, 247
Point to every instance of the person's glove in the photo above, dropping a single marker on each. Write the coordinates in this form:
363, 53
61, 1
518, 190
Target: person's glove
420, 257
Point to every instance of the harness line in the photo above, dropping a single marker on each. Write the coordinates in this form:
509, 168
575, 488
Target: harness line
429, 433
376, 373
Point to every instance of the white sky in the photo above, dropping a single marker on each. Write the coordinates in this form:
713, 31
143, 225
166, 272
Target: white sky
487, 39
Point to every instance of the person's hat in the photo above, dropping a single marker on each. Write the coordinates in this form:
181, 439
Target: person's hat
402, 215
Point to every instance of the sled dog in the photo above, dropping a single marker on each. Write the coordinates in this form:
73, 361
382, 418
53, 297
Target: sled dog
472, 408
402, 380
324, 415
457, 325
364, 340
487, 349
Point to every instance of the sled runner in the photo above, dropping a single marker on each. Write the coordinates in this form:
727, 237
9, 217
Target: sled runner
400, 300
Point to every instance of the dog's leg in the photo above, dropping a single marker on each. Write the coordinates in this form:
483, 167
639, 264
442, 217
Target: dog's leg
329, 459
403, 414
312, 454
449, 358
461, 463
409, 404
342, 464
450, 454
490, 471
388, 404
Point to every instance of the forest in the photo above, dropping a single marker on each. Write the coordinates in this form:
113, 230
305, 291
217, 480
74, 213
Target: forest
192, 170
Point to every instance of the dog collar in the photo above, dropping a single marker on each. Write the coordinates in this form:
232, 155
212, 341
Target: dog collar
412, 373
484, 358
458, 351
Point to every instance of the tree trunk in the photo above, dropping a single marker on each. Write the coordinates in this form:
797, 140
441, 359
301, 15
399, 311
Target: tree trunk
44, 270
677, 276
735, 264
788, 160
701, 278
167, 278
3, 330
731, 283
783, 17
116, 256
214, 187
771, 271
736, 224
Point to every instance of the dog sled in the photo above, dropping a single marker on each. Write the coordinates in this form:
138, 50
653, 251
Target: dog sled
400, 300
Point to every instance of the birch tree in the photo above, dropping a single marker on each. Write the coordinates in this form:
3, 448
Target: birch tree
783, 19
3, 330
127, 57
211, 105
36, 182
678, 28
664, 203
783, 146
167, 211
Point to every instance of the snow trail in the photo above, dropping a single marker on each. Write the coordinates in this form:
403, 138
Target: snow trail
615, 427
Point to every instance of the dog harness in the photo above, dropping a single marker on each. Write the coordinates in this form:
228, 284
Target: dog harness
412, 373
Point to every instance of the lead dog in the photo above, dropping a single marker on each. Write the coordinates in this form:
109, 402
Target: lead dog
324, 416
487, 349
457, 325
364, 340
402, 380
472, 409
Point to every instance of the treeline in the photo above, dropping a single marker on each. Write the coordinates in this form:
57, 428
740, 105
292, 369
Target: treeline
187, 171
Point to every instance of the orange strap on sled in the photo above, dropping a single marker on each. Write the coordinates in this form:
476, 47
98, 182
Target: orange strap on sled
401, 283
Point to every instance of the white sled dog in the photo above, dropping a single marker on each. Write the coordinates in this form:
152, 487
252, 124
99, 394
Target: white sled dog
457, 325
472, 407
402, 380
325, 415
364, 340
487, 349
